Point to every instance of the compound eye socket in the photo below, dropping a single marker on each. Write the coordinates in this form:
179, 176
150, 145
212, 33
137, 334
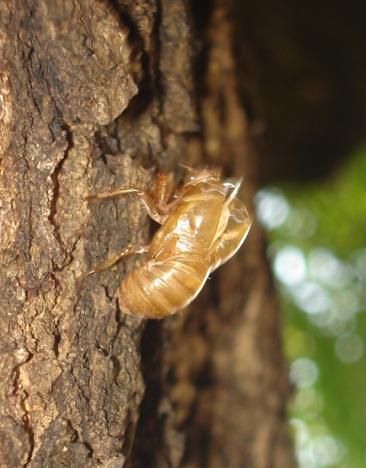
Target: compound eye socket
189, 178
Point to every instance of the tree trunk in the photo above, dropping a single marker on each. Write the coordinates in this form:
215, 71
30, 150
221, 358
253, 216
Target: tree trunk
98, 95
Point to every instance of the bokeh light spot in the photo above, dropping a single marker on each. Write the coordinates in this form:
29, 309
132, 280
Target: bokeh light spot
327, 451
349, 348
308, 400
303, 372
289, 265
301, 223
272, 208
325, 267
312, 297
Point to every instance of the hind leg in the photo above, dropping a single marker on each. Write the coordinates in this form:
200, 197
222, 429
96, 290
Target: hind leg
129, 250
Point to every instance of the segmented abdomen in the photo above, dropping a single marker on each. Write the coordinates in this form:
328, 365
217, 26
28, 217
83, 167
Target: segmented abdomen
158, 289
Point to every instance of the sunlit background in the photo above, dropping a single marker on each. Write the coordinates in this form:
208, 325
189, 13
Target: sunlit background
317, 248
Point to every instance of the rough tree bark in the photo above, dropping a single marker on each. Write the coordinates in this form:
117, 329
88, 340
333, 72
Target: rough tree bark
99, 94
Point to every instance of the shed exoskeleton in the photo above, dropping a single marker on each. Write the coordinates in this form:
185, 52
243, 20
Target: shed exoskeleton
203, 224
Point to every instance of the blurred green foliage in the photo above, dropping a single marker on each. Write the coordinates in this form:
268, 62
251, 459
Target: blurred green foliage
324, 224
338, 205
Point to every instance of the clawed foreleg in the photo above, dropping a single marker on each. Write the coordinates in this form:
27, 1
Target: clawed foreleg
148, 201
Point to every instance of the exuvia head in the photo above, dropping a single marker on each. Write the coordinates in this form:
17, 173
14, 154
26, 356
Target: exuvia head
196, 176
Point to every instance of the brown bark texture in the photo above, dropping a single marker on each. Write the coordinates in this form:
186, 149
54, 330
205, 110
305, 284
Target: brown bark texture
97, 95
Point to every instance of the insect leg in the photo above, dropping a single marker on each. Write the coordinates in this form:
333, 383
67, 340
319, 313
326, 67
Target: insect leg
150, 205
163, 190
115, 193
129, 250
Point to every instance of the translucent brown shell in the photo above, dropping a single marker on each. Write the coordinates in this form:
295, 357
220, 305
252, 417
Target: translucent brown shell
202, 229
203, 224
